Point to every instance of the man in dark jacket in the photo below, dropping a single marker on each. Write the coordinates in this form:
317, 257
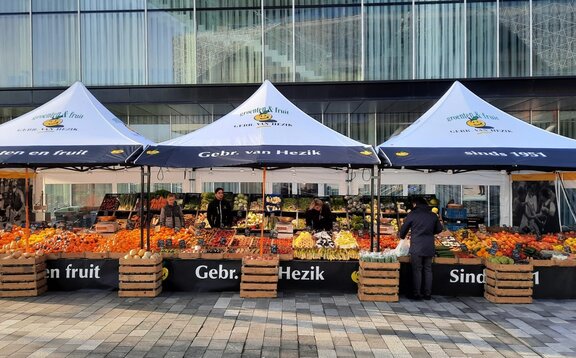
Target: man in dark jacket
219, 211
423, 224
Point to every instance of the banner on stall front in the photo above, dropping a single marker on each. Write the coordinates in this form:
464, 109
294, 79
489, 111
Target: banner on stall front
77, 274
311, 276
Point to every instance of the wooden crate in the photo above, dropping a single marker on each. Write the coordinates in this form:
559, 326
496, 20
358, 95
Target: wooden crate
508, 283
23, 277
140, 278
379, 281
259, 277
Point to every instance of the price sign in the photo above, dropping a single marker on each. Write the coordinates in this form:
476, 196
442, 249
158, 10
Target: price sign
17, 238
494, 248
8, 228
161, 243
239, 213
247, 231
561, 237
273, 234
198, 232
516, 252
182, 244
567, 249
169, 243
274, 249
465, 234
222, 241
202, 225
463, 248
201, 242
360, 233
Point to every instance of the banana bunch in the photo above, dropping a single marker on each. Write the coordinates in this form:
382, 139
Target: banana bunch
346, 240
307, 254
304, 240
339, 254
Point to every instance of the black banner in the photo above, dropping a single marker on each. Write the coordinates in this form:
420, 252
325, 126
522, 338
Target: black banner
77, 274
554, 282
297, 275
314, 276
202, 275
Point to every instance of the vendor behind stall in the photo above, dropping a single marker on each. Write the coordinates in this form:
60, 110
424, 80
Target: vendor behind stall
319, 216
171, 214
219, 211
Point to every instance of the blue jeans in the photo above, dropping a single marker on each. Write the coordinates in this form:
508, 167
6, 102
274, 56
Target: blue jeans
421, 275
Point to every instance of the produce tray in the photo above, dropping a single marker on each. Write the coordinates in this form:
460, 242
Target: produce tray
542, 263
73, 255
189, 255
445, 260
469, 260
23, 277
140, 277
565, 263
378, 298
96, 255
259, 277
508, 299
379, 281
508, 283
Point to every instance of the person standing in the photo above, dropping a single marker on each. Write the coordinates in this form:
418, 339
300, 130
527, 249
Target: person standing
219, 211
319, 216
422, 224
171, 214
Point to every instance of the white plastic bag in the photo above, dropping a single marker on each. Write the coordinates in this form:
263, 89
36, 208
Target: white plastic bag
402, 248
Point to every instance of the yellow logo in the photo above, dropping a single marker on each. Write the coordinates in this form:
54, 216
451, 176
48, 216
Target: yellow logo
53, 122
476, 122
402, 154
117, 151
354, 276
366, 152
264, 116
152, 151
165, 273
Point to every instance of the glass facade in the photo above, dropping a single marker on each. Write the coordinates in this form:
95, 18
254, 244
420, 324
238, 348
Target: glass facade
143, 42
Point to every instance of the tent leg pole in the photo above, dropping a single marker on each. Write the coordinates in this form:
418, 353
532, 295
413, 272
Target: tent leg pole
263, 207
141, 209
148, 218
378, 183
27, 200
372, 209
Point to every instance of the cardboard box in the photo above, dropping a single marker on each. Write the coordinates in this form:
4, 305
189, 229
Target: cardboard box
108, 226
286, 228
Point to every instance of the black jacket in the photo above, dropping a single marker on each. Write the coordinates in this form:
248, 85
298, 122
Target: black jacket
219, 209
423, 224
319, 220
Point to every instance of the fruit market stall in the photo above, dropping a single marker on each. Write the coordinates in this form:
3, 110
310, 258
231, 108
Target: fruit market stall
463, 132
71, 130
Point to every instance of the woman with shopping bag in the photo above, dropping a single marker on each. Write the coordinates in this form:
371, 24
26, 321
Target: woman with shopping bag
422, 224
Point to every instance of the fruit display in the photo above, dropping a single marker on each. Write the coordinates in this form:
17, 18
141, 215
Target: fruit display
191, 202
290, 205
345, 240
273, 203
109, 203
240, 202
17, 254
141, 254
205, 199
299, 224
126, 202
158, 202
304, 240
323, 239
253, 220
354, 205
387, 256
256, 205
338, 204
